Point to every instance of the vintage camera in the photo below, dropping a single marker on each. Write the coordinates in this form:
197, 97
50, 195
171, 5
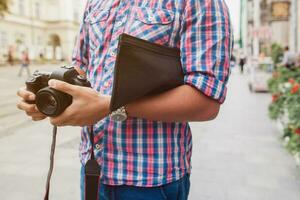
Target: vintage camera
49, 101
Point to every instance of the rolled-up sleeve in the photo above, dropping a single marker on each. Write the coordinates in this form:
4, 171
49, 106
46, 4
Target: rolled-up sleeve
206, 44
80, 56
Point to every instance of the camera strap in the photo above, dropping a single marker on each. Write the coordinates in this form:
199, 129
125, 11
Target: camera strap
92, 173
54, 133
92, 170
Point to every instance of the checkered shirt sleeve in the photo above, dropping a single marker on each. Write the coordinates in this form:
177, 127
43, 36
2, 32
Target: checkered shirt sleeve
206, 44
80, 56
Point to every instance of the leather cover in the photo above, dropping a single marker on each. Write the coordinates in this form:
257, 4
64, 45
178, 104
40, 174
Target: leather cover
143, 68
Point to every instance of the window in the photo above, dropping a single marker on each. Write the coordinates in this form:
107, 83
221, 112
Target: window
37, 10
39, 40
3, 39
22, 7
19, 38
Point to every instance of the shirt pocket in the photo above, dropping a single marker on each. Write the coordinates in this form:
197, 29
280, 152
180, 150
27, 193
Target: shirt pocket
152, 24
97, 21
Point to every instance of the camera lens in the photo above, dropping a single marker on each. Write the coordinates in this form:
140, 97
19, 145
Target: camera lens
52, 102
49, 103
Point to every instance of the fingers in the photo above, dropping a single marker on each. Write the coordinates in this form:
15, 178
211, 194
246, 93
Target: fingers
63, 118
63, 86
67, 118
30, 108
31, 111
59, 121
35, 114
25, 94
56, 122
38, 118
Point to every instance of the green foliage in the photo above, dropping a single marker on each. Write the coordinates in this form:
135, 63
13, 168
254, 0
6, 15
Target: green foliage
293, 108
276, 108
285, 89
276, 53
265, 50
281, 76
294, 144
287, 131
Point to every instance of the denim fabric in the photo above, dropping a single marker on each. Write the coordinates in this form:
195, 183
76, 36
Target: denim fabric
177, 190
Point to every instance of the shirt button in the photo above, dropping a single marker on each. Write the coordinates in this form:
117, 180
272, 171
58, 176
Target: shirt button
98, 146
111, 53
151, 17
119, 23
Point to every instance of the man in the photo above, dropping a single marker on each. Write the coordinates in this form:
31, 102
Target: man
24, 63
288, 60
242, 62
10, 59
148, 155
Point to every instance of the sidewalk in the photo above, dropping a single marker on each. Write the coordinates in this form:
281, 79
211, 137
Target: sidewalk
239, 156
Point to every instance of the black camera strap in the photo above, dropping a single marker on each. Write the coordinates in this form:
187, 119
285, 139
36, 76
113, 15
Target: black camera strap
92, 173
51, 162
92, 170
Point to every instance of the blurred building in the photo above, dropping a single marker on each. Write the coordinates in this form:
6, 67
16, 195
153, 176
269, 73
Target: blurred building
46, 28
270, 21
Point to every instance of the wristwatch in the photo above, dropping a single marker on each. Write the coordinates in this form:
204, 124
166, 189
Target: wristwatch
119, 115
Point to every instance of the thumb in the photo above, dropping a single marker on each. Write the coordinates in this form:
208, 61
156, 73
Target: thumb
62, 86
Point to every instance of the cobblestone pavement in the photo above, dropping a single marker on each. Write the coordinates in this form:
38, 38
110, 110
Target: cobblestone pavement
238, 156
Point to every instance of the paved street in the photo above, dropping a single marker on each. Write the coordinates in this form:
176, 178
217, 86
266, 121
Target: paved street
236, 157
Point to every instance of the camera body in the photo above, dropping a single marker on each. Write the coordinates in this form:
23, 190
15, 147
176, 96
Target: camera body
49, 101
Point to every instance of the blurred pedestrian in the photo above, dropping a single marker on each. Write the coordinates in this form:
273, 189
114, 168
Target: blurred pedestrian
24, 63
288, 60
10, 59
242, 62
232, 61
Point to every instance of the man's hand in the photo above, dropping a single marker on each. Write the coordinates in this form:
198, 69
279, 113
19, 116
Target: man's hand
88, 106
30, 109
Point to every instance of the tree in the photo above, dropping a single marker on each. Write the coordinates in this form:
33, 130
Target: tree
276, 53
3, 6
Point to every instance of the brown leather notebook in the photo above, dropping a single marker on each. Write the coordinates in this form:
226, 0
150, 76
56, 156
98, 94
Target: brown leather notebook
143, 68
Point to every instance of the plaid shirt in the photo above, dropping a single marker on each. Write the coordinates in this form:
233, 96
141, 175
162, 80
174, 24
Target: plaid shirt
141, 152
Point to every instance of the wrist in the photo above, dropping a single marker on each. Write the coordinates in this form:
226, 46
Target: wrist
106, 102
103, 105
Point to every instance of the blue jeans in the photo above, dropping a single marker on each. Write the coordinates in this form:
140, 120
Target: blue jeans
177, 190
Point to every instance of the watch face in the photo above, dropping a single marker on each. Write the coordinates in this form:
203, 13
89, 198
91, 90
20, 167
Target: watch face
119, 117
